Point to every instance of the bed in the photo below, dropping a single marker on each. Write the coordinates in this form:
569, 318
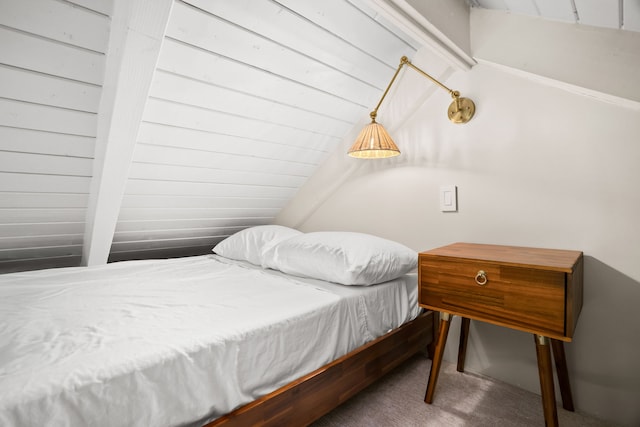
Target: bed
231, 338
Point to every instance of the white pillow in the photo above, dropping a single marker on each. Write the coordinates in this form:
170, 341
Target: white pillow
342, 257
250, 243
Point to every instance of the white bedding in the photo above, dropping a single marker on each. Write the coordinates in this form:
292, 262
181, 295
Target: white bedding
173, 342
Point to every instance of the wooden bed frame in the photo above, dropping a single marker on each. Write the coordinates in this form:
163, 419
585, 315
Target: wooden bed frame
314, 395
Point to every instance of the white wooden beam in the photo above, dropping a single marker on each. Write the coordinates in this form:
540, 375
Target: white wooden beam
137, 32
442, 26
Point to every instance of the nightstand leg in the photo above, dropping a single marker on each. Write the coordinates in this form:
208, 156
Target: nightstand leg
546, 381
462, 347
563, 374
431, 348
437, 356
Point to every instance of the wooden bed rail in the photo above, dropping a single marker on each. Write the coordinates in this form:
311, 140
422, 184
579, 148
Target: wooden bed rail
310, 397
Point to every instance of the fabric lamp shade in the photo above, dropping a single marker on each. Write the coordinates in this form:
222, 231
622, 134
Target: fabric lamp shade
374, 142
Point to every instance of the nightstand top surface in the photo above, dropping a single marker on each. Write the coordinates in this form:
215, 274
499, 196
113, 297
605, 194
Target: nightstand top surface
548, 259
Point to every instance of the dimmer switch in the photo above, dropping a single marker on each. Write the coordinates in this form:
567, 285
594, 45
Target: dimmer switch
448, 198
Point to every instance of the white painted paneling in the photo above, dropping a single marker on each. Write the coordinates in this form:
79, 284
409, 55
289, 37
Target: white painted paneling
36, 216
200, 202
138, 214
22, 182
349, 23
103, 7
226, 39
261, 160
311, 39
189, 224
57, 20
144, 187
241, 113
39, 263
34, 53
179, 89
34, 141
42, 117
39, 88
191, 139
23, 242
142, 235
45, 164
42, 200
188, 174
38, 253
51, 72
248, 101
159, 154
42, 229
209, 241
202, 65
191, 117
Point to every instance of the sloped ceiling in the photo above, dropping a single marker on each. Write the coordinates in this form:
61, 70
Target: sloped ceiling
135, 129
588, 47
245, 101
240, 113
615, 14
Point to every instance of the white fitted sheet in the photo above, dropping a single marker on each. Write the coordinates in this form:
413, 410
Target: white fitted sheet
173, 342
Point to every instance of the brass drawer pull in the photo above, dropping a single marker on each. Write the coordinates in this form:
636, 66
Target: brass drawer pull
481, 278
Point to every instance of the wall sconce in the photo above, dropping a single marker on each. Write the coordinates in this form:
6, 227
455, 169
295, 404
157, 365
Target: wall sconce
374, 142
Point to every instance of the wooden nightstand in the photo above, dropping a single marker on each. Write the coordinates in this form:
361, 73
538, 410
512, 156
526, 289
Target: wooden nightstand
533, 290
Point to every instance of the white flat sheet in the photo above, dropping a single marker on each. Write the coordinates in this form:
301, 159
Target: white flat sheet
173, 342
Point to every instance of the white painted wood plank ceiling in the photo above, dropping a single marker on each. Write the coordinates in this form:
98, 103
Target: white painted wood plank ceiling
241, 113
246, 101
51, 70
616, 14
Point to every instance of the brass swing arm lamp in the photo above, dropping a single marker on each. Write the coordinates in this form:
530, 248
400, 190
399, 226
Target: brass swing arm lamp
374, 142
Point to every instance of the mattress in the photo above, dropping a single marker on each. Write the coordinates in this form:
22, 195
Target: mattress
174, 342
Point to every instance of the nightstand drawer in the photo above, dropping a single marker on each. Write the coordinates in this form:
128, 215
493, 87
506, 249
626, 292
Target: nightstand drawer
520, 297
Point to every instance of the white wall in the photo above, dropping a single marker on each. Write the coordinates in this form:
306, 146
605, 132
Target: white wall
537, 166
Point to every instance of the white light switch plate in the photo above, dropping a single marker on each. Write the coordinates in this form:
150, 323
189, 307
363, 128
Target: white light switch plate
448, 198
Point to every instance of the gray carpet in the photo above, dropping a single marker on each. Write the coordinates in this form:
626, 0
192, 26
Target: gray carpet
461, 399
